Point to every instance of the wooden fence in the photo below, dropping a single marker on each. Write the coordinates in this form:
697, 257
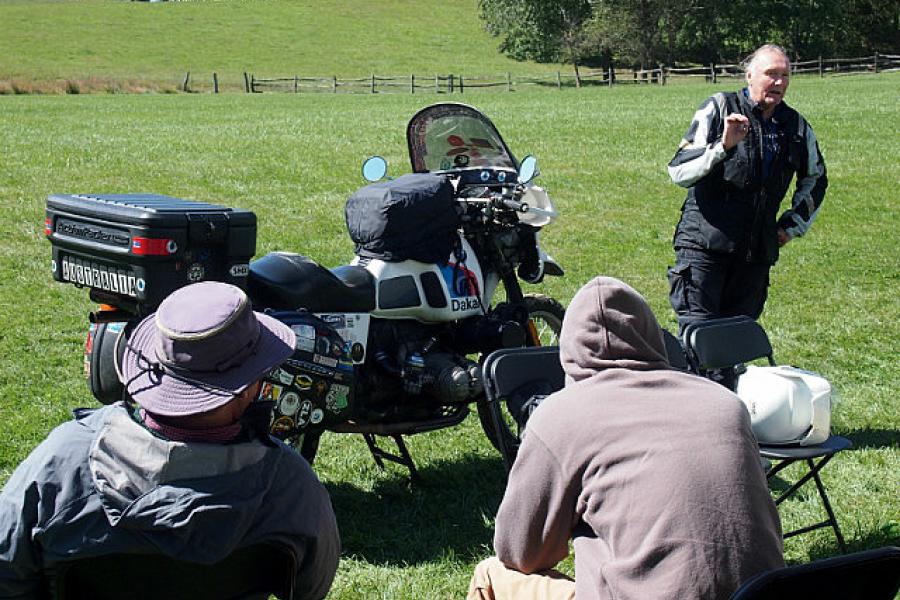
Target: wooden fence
451, 83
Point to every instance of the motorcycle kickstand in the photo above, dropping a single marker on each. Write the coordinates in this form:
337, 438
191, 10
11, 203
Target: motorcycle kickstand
404, 458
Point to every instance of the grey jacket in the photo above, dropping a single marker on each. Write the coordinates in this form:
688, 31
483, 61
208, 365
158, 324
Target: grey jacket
104, 484
653, 473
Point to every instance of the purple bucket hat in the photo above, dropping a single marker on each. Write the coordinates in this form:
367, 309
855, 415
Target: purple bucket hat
203, 346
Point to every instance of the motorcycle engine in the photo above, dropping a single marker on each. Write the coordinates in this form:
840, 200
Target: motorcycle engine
413, 360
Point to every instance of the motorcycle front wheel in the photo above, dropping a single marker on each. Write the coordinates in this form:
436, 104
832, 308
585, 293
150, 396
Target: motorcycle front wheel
545, 316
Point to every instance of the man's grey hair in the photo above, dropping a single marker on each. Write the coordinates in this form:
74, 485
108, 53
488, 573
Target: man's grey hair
748, 62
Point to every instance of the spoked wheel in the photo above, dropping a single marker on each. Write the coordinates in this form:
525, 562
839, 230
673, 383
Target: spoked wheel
545, 317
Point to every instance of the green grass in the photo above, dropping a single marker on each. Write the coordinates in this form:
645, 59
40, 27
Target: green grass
160, 42
833, 308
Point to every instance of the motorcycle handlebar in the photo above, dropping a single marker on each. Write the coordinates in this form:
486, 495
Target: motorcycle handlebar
515, 205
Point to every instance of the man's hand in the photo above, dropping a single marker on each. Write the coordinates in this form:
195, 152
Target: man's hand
736, 128
783, 237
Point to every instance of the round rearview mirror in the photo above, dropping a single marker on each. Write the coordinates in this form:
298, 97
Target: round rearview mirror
528, 169
374, 168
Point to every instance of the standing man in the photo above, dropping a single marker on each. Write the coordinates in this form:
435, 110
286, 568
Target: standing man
652, 474
189, 471
737, 161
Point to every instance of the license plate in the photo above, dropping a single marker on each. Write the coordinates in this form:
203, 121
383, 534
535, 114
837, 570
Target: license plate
95, 275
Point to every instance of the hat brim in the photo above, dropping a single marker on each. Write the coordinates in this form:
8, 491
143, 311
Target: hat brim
163, 394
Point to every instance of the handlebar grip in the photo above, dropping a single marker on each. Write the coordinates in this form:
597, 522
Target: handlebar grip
515, 205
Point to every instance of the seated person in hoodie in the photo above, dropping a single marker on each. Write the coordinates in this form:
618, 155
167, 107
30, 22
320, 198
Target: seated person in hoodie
653, 473
190, 471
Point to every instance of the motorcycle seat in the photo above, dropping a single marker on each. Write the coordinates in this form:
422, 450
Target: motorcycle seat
288, 281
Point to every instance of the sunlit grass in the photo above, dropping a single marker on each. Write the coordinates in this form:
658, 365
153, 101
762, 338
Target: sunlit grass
833, 308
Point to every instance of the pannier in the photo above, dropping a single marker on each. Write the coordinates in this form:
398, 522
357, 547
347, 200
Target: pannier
132, 250
413, 217
314, 388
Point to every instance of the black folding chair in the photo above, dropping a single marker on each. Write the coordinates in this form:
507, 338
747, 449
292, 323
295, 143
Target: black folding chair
867, 575
516, 378
675, 351
252, 572
724, 343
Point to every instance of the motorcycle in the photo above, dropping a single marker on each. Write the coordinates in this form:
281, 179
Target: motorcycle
391, 344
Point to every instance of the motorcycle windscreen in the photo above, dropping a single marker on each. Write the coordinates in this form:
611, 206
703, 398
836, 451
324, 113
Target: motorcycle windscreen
449, 136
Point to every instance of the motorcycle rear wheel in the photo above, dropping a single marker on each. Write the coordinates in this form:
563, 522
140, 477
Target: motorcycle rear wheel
547, 315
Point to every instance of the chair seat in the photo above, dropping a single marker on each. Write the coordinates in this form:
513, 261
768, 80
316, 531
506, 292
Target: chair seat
832, 445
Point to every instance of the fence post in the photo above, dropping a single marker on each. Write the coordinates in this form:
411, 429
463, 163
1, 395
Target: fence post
451, 84
712, 71
437, 84
558, 81
611, 76
187, 81
373, 83
296, 85
875, 62
215, 83
508, 82
461, 85
334, 84
412, 83
821, 69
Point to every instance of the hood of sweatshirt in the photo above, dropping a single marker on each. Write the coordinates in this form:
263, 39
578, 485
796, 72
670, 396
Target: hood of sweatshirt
609, 325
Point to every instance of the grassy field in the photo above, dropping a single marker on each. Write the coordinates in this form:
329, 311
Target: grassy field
833, 308
119, 45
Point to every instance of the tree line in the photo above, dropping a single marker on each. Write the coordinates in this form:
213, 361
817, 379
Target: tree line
647, 33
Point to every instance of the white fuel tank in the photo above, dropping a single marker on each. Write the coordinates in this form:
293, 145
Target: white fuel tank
430, 292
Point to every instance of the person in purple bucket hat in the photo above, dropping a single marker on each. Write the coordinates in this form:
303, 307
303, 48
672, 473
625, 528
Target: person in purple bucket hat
185, 468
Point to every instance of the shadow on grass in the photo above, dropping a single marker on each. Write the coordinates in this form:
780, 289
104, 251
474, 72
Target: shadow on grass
873, 438
449, 512
887, 535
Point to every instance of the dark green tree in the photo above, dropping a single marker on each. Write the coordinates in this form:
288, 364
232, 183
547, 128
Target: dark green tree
541, 31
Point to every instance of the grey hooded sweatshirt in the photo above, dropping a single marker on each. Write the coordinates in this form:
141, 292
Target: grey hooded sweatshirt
103, 484
654, 474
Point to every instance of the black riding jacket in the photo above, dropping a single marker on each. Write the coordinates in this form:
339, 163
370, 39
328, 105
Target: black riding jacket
731, 206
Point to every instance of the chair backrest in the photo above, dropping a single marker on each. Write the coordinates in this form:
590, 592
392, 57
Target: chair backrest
867, 575
720, 343
512, 369
251, 572
675, 351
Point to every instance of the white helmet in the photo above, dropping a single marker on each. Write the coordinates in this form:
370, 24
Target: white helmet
787, 405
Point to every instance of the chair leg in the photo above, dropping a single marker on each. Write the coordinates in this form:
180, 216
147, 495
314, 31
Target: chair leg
827, 504
813, 474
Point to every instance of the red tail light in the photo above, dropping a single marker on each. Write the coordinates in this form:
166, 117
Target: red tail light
153, 246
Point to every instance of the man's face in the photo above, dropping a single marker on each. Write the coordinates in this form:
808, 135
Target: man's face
768, 79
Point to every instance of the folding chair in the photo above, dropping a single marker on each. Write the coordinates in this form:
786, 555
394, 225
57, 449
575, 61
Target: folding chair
725, 343
867, 575
250, 572
675, 351
512, 377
